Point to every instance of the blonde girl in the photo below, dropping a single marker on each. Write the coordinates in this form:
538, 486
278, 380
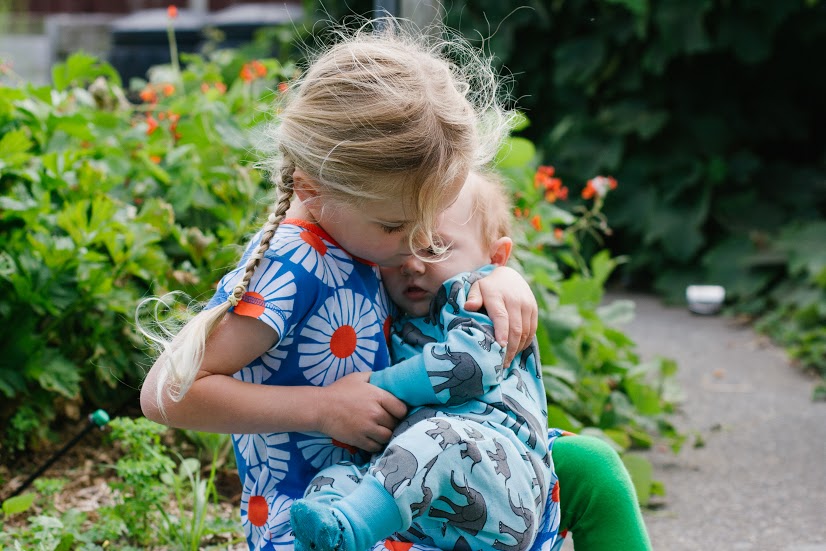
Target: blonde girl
373, 143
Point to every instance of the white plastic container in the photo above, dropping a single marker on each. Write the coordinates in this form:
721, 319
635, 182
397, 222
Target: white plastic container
705, 299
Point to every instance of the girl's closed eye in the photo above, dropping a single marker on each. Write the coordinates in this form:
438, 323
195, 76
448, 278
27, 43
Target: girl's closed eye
386, 228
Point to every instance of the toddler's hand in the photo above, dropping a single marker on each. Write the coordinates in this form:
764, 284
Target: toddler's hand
357, 413
510, 305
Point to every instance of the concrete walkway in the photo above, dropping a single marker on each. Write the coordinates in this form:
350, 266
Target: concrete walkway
759, 482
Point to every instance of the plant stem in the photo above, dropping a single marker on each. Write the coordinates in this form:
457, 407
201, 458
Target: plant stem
173, 50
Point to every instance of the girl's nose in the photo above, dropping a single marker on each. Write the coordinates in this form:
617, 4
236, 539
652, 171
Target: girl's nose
412, 266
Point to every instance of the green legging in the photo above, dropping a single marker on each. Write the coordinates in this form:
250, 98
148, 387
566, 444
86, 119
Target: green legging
597, 498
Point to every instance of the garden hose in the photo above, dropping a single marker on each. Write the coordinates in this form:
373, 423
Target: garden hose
97, 419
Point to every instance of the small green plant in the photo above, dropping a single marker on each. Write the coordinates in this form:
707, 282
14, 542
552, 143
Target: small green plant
149, 477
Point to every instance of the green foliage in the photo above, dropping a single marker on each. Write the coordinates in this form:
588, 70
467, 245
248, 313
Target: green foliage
595, 381
159, 502
103, 202
708, 113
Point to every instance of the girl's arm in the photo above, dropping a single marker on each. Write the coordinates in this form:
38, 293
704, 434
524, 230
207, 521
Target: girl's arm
511, 306
350, 410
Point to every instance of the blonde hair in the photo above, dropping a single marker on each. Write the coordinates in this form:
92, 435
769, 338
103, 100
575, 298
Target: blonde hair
386, 112
492, 206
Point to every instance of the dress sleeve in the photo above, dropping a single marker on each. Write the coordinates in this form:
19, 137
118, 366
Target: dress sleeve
465, 364
272, 295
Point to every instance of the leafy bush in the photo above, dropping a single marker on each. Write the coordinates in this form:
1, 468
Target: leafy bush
708, 113
103, 202
595, 381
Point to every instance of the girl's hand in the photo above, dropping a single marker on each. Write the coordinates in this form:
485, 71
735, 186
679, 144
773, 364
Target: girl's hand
511, 306
354, 412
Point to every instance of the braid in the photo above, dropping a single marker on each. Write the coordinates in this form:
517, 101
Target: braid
285, 195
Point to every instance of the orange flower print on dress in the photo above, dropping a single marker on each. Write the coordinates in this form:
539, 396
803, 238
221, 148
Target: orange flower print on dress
393, 545
318, 256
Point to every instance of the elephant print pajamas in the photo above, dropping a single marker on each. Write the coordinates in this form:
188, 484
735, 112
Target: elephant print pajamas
470, 466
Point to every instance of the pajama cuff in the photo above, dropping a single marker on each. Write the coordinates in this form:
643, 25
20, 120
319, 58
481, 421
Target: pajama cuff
407, 381
372, 512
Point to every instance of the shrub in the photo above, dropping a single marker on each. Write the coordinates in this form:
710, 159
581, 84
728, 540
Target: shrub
103, 202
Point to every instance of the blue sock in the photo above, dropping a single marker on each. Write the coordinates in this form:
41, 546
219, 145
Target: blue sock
353, 523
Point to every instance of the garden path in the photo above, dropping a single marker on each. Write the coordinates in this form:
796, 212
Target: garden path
759, 482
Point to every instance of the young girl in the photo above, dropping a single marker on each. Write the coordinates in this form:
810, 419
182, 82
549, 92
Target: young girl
375, 142
377, 139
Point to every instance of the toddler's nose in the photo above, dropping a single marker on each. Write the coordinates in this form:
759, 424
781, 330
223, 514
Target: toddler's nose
412, 266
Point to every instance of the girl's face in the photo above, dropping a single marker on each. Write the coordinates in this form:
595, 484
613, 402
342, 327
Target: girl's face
377, 231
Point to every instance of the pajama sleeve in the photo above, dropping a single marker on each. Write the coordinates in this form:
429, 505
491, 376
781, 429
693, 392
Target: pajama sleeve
465, 364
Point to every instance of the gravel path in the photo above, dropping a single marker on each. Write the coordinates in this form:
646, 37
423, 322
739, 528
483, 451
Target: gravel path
759, 482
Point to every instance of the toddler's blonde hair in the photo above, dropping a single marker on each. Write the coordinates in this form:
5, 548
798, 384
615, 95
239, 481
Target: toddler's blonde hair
492, 204
387, 112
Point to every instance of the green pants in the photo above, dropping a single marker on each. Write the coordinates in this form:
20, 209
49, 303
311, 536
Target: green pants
597, 499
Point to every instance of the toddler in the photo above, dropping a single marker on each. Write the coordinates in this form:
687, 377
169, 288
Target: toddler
470, 468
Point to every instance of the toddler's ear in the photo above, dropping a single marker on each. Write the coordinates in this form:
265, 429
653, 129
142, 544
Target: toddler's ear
501, 251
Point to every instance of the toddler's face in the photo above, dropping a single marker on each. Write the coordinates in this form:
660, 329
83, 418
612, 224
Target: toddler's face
414, 284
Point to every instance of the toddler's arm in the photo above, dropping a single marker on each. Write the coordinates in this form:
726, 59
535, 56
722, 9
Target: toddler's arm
463, 365
510, 304
350, 410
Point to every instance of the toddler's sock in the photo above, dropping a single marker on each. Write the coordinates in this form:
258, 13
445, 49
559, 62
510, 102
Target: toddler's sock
353, 523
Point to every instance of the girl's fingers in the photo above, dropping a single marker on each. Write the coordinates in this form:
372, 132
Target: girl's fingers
395, 408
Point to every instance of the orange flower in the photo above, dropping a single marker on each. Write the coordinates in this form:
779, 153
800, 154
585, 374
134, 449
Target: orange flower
517, 212
221, 87
246, 73
536, 222
543, 174
204, 87
168, 89
155, 159
173, 121
151, 125
599, 186
259, 69
559, 234
282, 87
172, 11
148, 95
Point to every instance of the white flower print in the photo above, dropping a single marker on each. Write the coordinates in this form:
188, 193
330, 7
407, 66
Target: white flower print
341, 338
322, 451
318, 256
265, 450
271, 295
273, 357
